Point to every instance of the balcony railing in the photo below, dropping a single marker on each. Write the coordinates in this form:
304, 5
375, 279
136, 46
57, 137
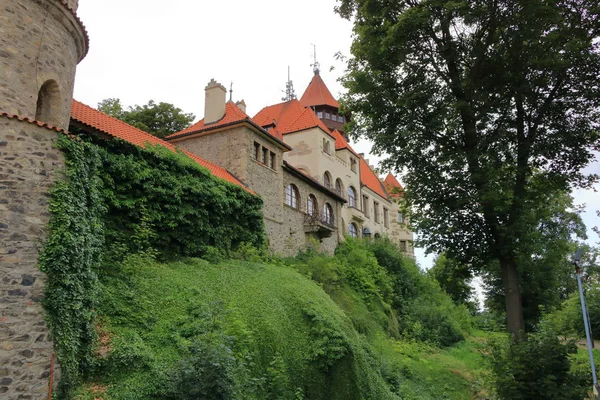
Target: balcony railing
318, 218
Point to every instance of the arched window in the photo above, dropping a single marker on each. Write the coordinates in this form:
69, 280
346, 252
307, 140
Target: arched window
326, 146
339, 187
48, 107
292, 196
351, 197
328, 214
311, 205
353, 230
327, 180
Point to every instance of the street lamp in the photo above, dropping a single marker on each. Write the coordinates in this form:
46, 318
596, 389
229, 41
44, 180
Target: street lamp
578, 273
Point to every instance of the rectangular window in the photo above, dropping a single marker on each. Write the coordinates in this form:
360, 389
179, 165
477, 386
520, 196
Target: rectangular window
256, 154
273, 160
327, 116
386, 221
353, 164
320, 114
265, 157
400, 218
340, 119
366, 206
376, 211
403, 246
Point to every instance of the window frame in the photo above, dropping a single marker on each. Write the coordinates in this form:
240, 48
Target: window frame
351, 197
292, 196
312, 205
353, 230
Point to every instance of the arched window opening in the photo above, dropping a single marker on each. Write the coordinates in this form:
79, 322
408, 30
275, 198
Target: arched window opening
48, 107
311, 205
339, 187
327, 180
328, 214
353, 230
351, 197
326, 146
292, 196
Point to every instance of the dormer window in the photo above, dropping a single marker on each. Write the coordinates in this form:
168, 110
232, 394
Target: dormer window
327, 115
340, 119
320, 114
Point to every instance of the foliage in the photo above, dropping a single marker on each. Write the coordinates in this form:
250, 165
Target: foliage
539, 368
488, 106
234, 330
117, 199
160, 119
547, 274
568, 320
453, 277
161, 200
69, 257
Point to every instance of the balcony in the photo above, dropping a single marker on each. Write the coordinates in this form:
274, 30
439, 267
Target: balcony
317, 223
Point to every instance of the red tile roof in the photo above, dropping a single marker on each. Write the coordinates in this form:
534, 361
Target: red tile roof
317, 94
341, 143
288, 117
32, 121
369, 179
119, 129
232, 115
393, 187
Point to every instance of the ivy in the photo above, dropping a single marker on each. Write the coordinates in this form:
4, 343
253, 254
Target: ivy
114, 200
72, 251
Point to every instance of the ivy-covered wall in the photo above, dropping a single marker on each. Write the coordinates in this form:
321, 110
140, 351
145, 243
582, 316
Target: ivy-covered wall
118, 199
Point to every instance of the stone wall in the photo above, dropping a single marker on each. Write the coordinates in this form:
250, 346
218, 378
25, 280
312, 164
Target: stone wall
28, 167
41, 41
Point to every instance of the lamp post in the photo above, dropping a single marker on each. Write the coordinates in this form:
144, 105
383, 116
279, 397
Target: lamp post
578, 273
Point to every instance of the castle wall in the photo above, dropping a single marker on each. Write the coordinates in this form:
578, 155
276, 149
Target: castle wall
41, 41
28, 167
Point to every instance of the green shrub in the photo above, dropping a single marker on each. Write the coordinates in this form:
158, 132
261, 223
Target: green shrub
537, 368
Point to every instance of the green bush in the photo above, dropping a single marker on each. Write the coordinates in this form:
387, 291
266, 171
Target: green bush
537, 368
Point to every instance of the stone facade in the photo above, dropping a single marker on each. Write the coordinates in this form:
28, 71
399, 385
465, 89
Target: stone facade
41, 44
28, 167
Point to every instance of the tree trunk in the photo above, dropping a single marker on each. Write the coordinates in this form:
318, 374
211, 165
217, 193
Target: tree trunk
512, 294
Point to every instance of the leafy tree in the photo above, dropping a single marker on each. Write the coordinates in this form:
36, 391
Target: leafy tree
547, 275
159, 119
454, 278
473, 98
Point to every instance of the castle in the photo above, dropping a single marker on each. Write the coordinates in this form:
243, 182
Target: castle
315, 187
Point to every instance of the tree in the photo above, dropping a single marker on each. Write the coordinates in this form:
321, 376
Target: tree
160, 119
544, 256
473, 98
454, 278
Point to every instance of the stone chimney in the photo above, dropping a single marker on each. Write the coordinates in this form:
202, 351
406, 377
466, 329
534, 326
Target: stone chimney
214, 105
241, 105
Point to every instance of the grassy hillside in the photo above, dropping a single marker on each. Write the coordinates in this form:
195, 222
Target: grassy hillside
243, 330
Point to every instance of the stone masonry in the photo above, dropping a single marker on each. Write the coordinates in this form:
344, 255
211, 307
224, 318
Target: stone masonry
28, 166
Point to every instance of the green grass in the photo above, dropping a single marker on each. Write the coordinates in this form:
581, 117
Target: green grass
151, 313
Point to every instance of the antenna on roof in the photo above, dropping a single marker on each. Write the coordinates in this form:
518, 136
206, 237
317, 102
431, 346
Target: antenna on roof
290, 94
316, 66
231, 92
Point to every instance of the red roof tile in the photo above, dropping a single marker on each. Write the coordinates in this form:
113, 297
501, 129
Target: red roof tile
393, 187
288, 117
317, 94
341, 143
232, 115
370, 180
119, 129
32, 121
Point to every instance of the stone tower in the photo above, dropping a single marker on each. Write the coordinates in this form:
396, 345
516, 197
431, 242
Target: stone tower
41, 43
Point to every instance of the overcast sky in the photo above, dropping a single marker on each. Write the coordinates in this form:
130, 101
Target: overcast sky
143, 50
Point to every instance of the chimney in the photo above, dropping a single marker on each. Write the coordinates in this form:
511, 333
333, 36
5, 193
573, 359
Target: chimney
361, 155
214, 105
241, 105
